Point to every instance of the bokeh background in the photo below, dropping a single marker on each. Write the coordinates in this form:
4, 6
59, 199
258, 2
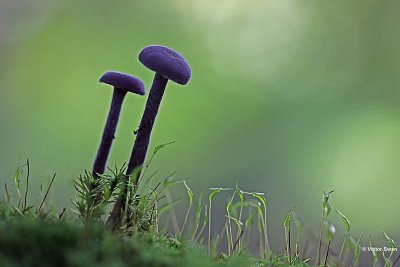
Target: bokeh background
288, 97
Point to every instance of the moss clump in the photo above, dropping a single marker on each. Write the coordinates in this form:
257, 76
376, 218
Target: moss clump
43, 242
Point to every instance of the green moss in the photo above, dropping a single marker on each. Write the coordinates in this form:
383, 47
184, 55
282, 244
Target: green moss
39, 242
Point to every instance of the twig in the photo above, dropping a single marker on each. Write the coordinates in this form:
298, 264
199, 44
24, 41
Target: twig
47, 192
61, 214
327, 253
7, 193
237, 240
27, 182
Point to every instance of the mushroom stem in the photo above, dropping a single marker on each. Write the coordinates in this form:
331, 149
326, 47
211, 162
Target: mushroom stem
139, 150
141, 144
109, 132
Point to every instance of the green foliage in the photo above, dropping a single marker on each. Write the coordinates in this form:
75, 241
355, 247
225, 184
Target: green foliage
213, 193
326, 207
374, 253
93, 195
356, 245
326, 210
392, 249
282, 261
299, 232
286, 226
30, 236
347, 227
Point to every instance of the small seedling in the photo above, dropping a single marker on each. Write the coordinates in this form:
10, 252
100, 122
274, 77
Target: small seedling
190, 196
347, 225
213, 193
286, 225
262, 220
356, 245
373, 251
392, 249
299, 232
326, 210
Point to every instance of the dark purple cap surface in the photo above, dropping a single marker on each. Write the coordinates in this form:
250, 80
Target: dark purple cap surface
166, 62
124, 81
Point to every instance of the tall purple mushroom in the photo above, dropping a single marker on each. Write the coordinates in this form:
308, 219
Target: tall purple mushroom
167, 65
123, 83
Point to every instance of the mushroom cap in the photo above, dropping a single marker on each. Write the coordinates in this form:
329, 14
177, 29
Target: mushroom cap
166, 62
124, 81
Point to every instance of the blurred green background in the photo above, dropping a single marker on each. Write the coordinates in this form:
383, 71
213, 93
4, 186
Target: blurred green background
289, 97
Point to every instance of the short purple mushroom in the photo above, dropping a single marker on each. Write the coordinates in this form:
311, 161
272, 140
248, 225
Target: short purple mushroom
123, 83
168, 65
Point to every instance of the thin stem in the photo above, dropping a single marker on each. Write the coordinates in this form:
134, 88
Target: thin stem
47, 192
141, 144
327, 253
342, 248
203, 225
264, 229
156, 216
289, 248
185, 221
237, 242
297, 248
27, 182
396, 261
262, 251
266, 245
199, 233
195, 231
7, 193
240, 219
172, 212
319, 243
229, 233
287, 241
260, 234
209, 229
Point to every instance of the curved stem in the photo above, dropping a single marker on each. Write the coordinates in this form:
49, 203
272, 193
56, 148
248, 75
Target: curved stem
139, 150
341, 249
109, 132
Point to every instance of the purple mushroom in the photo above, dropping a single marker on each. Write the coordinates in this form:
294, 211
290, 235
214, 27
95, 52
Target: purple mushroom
123, 83
167, 65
